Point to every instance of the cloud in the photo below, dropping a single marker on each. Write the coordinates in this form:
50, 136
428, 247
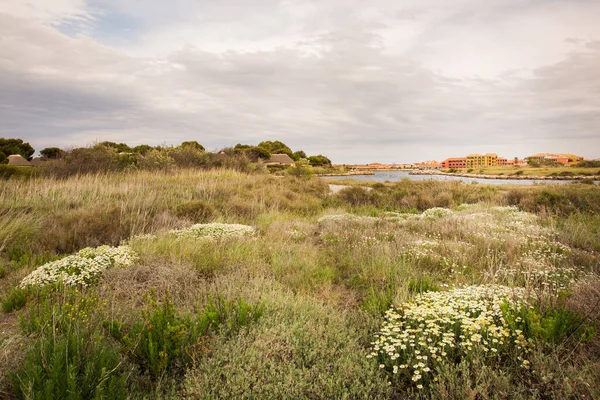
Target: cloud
333, 85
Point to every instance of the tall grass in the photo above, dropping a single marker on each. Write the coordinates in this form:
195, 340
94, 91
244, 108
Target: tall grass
314, 287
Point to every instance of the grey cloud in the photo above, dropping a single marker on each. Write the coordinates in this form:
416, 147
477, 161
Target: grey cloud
350, 99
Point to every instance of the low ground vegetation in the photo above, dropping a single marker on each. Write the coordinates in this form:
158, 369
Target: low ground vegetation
227, 284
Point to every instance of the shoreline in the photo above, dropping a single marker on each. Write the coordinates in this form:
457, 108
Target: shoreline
513, 177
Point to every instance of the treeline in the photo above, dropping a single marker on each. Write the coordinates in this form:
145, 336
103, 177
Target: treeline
110, 156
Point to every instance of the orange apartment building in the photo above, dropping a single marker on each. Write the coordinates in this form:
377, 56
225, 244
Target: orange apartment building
455, 162
479, 161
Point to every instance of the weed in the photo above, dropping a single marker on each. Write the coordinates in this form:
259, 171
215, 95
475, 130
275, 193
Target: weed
16, 299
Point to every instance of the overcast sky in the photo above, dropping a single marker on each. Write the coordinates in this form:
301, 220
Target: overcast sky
391, 81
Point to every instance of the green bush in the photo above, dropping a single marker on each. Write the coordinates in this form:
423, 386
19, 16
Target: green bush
552, 326
165, 341
378, 301
13, 171
69, 357
228, 317
162, 342
196, 210
421, 285
16, 299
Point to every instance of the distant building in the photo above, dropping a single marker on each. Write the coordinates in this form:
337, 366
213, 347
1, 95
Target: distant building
565, 159
18, 160
456, 162
482, 160
429, 165
280, 159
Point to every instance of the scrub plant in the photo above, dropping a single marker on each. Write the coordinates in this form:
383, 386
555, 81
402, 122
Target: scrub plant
69, 357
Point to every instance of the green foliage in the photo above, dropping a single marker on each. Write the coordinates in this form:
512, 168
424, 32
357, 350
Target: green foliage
162, 341
378, 301
15, 300
355, 196
13, 171
422, 285
319, 160
90, 159
189, 155
552, 326
155, 159
297, 155
300, 170
193, 145
276, 147
119, 147
587, 164
228, 317
3, 158
52, 153
16, 146
69, 357
196, 210
142, 149
254, 153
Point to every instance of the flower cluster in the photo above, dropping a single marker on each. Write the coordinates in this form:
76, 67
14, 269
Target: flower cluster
551, 278
439, 327
213, 230
346, 218
436, 212
82, 268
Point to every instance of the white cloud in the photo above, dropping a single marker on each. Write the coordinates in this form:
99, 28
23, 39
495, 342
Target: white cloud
315, 75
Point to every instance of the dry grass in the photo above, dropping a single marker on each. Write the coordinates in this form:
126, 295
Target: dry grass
325, 284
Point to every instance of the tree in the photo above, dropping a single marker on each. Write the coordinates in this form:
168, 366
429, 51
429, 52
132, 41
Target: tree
193, 145
3, 158
254, 153
297, 155
319, 160
120, 147
142, 149
52, 153
276, 147
16, 146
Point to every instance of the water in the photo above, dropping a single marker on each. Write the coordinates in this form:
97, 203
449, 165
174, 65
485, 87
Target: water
395, 176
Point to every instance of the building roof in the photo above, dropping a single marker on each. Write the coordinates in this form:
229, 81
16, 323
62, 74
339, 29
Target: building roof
281, 159
18, 160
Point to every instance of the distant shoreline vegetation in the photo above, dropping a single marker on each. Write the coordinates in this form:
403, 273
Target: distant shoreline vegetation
273, 156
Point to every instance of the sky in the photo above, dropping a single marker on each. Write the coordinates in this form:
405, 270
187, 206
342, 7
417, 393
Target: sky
385, 80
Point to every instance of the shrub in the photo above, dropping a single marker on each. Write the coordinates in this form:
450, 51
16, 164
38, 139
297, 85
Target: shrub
165, 341
13, 171
15, 300
83, 268
162, 341
422, 285
69, 358
197, 210
378, 301
449, 327
552, 326
228, 317
156, 160
213, 230
355, 196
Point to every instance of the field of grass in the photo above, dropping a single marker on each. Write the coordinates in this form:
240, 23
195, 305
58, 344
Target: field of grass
534, 171
226, 285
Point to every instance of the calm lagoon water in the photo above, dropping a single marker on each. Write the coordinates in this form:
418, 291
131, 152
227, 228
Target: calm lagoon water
394, 176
